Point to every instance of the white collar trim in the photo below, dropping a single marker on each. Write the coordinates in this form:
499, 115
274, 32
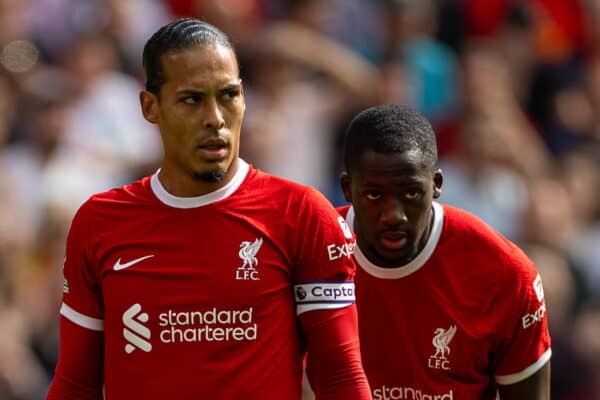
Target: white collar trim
198, 201
416, 263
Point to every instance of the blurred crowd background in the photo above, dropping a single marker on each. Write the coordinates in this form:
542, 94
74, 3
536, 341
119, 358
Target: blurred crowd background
512, 88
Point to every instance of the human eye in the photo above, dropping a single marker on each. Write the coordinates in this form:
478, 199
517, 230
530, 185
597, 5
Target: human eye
192, 99
372, 195
230, 94
413, 194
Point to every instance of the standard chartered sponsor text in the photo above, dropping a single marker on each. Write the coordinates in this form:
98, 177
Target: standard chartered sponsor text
212, 325
407, 393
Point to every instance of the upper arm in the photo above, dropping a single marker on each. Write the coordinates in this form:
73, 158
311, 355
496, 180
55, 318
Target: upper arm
324, 295
526, 345
535, 387
322, 255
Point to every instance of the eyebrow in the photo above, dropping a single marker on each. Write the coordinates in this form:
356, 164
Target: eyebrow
402, 181
229, 86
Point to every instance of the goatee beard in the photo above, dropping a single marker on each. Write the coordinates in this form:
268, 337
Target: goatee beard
210, 176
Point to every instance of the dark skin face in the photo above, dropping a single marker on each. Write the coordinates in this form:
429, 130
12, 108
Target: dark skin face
199, 112
391, 195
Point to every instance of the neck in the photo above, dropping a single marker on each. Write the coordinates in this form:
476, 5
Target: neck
186, 184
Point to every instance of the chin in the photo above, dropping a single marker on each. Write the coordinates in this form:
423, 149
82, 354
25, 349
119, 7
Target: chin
212, 176
212, 172
397, 258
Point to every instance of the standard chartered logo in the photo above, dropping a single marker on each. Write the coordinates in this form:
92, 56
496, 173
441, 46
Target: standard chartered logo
211, 325
136, 334
407, 393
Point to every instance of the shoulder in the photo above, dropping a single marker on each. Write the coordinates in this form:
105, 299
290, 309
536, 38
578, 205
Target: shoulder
132, 193
473, 235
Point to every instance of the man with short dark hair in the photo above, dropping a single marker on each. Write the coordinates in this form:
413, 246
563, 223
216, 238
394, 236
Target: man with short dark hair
448, 308
188, 283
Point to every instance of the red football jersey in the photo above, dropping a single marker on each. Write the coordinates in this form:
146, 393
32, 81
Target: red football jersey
196, 295
465, 315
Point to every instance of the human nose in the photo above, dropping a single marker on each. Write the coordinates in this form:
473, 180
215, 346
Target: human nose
393, 213
213, 116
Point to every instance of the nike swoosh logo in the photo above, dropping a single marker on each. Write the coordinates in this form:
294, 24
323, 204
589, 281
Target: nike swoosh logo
118, 266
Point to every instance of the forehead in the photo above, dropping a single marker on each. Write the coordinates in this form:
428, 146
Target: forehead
372, 167
201, 65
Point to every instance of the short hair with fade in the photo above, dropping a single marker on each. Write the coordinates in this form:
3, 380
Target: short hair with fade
175, 36
389, 129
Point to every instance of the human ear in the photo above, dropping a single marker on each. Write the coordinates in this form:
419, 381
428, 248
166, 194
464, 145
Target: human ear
149, 104
438, 180
345, 182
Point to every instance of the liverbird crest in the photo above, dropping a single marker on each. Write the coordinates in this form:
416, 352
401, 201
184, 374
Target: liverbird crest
248, 252
441, 340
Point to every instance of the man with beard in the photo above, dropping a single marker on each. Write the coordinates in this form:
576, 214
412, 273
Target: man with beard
181, 285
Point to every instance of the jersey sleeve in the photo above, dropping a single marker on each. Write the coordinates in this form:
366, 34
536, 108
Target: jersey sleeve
82, 302
527, 348
79, 371
323, 270
333, 345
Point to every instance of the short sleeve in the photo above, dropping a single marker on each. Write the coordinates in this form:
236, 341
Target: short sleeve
324, 269
82, 302
528, 349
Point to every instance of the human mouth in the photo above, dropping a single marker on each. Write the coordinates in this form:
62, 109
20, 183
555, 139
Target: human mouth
214, 149
213, 153
394, 240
